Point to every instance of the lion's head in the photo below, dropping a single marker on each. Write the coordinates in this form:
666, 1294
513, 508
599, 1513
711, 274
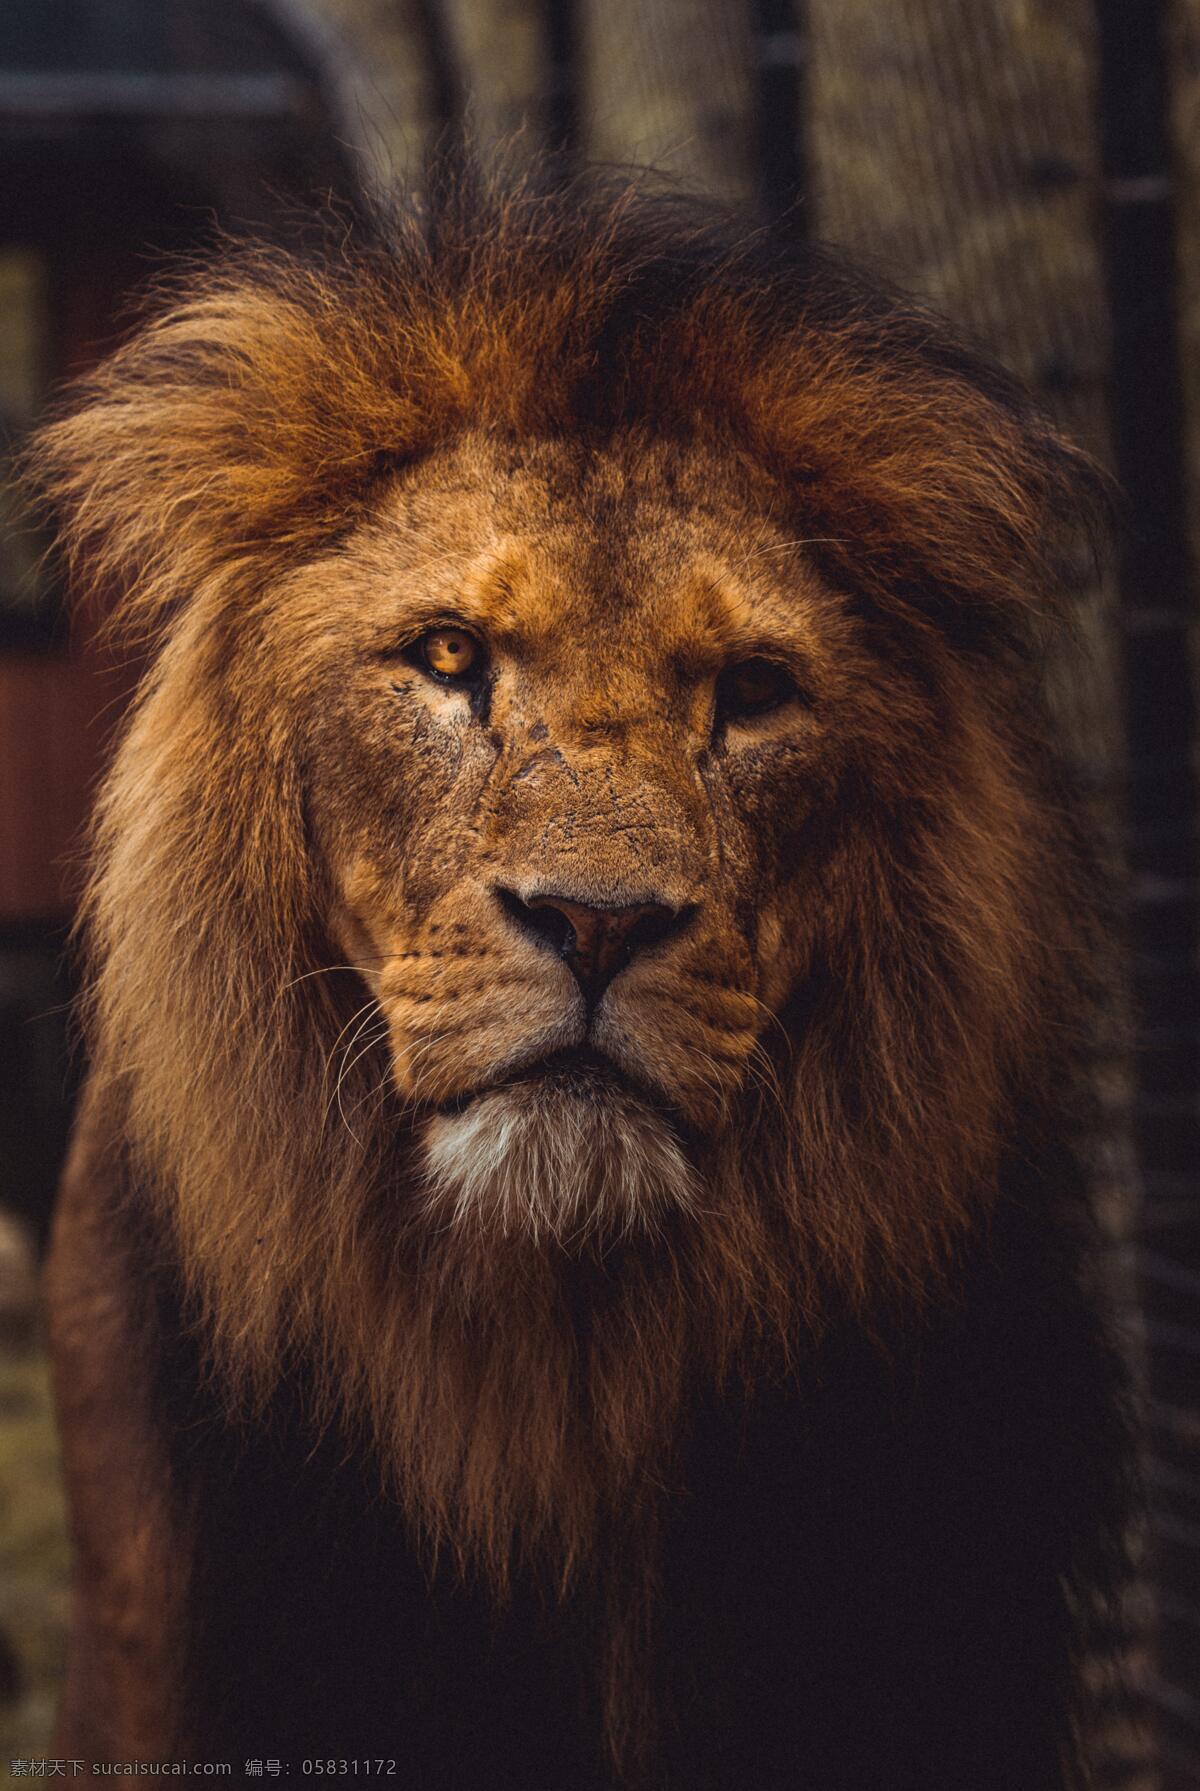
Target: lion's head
577, 897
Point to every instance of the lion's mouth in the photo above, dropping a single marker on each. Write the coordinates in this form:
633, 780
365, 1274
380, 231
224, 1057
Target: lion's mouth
581, 1074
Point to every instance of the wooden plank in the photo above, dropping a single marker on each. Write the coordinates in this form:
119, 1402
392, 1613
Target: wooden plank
49, 755
501, 50
671, 85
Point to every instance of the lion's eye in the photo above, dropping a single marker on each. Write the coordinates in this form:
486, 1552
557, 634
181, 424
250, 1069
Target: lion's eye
752, 687
449, 653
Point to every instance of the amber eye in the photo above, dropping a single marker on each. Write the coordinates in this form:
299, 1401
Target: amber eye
449, 653
752, 687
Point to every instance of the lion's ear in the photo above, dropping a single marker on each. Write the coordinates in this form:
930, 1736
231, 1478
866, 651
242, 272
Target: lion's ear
933, 479
244, 419
967, 507
976, 514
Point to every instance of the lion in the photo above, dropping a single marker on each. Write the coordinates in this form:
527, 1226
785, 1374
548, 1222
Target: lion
574, 1267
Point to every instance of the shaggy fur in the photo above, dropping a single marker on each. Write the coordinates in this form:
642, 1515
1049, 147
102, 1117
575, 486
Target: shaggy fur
535, 1311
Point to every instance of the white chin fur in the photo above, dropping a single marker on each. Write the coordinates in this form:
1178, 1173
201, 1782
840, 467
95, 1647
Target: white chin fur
554, 1163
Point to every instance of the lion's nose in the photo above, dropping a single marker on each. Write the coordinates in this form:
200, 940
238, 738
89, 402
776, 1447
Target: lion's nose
596, 942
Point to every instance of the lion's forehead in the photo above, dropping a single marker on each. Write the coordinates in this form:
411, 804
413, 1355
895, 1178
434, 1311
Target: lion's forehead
585, 553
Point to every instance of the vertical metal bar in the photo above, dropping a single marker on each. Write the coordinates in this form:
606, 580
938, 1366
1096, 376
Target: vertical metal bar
1157, 597
779, 43
445, 82
562, 99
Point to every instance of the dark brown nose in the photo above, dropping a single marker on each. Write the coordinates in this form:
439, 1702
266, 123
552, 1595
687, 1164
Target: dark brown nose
596, 942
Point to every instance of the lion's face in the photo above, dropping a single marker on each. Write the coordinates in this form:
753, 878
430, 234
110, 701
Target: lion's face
571, 742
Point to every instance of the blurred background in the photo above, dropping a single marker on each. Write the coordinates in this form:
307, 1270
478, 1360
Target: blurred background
1030, 166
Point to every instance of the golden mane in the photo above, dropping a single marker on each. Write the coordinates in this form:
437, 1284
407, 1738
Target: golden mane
218, 431
237, 437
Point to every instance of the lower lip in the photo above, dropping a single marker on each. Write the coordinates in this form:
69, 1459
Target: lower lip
577, 1072
570, 1072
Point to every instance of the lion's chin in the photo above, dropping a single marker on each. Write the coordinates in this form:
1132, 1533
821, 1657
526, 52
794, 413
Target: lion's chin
556, 1156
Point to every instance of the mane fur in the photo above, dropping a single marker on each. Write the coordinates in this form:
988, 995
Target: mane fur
524, 1403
